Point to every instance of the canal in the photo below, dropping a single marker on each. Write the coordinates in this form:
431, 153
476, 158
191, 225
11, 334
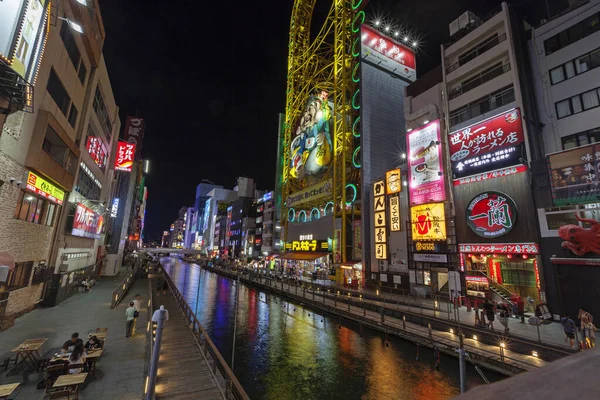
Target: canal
286, 351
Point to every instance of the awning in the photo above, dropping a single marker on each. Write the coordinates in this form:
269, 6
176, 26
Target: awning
594, 262
304, 256
7, 260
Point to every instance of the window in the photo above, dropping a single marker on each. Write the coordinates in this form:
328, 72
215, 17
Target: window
82, 73
582, 64
581, 138
55, 146
575, 67
578, 103
58, 92
73, 116
19, 276
482, 105
557, 75
34, 209
479, 79
102, 113
68, 39
87, 184
572, 34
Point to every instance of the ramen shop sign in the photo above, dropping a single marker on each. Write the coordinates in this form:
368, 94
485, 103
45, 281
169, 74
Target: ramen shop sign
491, 214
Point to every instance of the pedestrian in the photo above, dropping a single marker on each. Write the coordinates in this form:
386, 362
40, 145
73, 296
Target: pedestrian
489, 308
130, 314
137, 303
165, 287
583, 313
503, 316
569, 328
588, 332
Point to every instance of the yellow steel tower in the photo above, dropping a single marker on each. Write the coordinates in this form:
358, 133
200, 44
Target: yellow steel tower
323, 64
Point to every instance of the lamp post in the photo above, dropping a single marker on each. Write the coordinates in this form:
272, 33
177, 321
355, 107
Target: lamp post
160, 316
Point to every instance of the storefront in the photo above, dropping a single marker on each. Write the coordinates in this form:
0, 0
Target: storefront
351, 274
506, 269
315, 265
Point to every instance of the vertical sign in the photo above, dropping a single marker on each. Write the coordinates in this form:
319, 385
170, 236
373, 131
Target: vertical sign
393, 183
357, 246
379, 220
134, 133
124, 158
395, 225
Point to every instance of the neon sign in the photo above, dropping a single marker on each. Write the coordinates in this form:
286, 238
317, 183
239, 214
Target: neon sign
491, 214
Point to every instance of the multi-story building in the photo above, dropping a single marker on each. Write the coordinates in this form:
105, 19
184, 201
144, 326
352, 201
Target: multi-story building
40, 150
190, 228
241, 219
565, 56
493, 147
216, 204
178, 229
202, 191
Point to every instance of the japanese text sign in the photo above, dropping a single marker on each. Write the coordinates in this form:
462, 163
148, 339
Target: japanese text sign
395, 225
500, 248
124, 158
308, 245
469, 145
393, 182
44, 188
381, 251
491, 214
425, 172
387, 53
87, 223
428, 222
380, 235
575, 175
97, 151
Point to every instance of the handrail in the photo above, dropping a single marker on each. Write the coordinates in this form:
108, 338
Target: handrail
477, 51
478, 80
149, 335
434, 335
122, 289
493, 282
232, 387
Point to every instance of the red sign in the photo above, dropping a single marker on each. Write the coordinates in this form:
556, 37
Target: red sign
124, 158
499, 132
96, 149
491, 214
387, 53
134, 131
499, 173
500, 248
87, 223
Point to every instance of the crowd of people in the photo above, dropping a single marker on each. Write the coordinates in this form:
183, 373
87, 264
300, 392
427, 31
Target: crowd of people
78, 351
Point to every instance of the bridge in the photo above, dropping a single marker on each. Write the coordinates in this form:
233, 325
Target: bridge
160, 250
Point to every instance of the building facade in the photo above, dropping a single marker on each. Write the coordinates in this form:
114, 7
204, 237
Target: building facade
202, 191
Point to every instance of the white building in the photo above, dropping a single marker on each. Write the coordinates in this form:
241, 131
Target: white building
218, 201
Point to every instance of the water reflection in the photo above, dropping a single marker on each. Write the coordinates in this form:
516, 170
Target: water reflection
286, 351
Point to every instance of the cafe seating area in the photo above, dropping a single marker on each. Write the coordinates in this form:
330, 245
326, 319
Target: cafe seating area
62, 379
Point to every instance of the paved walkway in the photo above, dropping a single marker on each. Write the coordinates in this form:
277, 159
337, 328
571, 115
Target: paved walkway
183, 371
120, 370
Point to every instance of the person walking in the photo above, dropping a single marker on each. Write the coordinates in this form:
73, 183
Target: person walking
130, 314
137, 303
569, 328
489, 308
588, 333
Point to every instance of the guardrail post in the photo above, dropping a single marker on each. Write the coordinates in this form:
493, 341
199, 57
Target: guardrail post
404, 322
160, 317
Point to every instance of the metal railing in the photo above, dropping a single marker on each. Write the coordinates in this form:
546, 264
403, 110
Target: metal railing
466, 30
478, 80
432, 307
122, 289
481, 106
481, 48
226, 380
149, 335
453, 339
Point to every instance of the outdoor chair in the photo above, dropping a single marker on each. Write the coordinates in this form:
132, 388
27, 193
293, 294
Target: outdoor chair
6, 359
61, 395
53, 372
76, 367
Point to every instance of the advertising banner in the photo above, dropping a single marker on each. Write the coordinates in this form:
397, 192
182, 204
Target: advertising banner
40, 186
393, 182
23, 28
575, 175
387, 53
97, 150
134, 133
487, 145
311, 149
491, 214
428, 222
87, 223
425, 172
307, 245
315, 192
499, 173
500, 248
124, 158
395, 224
114, 209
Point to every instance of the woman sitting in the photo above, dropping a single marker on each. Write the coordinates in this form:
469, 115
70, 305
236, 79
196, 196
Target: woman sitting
93, 344
77, 357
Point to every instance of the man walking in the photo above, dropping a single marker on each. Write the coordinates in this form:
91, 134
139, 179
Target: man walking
130, 320
137, 303
569, 327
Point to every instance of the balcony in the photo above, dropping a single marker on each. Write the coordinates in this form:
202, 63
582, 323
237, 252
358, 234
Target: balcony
479, 79
483, 105
481, 48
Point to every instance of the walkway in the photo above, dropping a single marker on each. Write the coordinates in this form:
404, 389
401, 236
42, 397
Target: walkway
182, 370
120, 370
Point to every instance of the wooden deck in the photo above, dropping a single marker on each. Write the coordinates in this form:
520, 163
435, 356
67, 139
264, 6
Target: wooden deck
183, 373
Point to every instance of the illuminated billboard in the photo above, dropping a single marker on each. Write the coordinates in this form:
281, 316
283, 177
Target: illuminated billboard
428, 222
87, 223
124, 158
97, 151
40, 186
311, 150
23, 32
488, 145
387, 53
425, 172
575, 175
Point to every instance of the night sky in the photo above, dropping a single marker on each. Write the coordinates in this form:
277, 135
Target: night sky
209, 78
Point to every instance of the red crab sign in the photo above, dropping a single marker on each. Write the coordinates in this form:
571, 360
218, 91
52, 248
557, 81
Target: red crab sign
581, 240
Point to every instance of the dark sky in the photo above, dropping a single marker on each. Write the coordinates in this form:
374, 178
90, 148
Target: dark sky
209, 77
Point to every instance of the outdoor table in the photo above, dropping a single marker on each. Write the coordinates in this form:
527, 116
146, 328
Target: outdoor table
7, 390
99, 335
74, 380
91, 359
28, 351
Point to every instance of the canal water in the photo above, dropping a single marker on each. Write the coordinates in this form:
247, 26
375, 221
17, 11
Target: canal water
286, 351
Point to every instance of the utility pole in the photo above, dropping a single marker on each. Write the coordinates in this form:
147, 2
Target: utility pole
237, 301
